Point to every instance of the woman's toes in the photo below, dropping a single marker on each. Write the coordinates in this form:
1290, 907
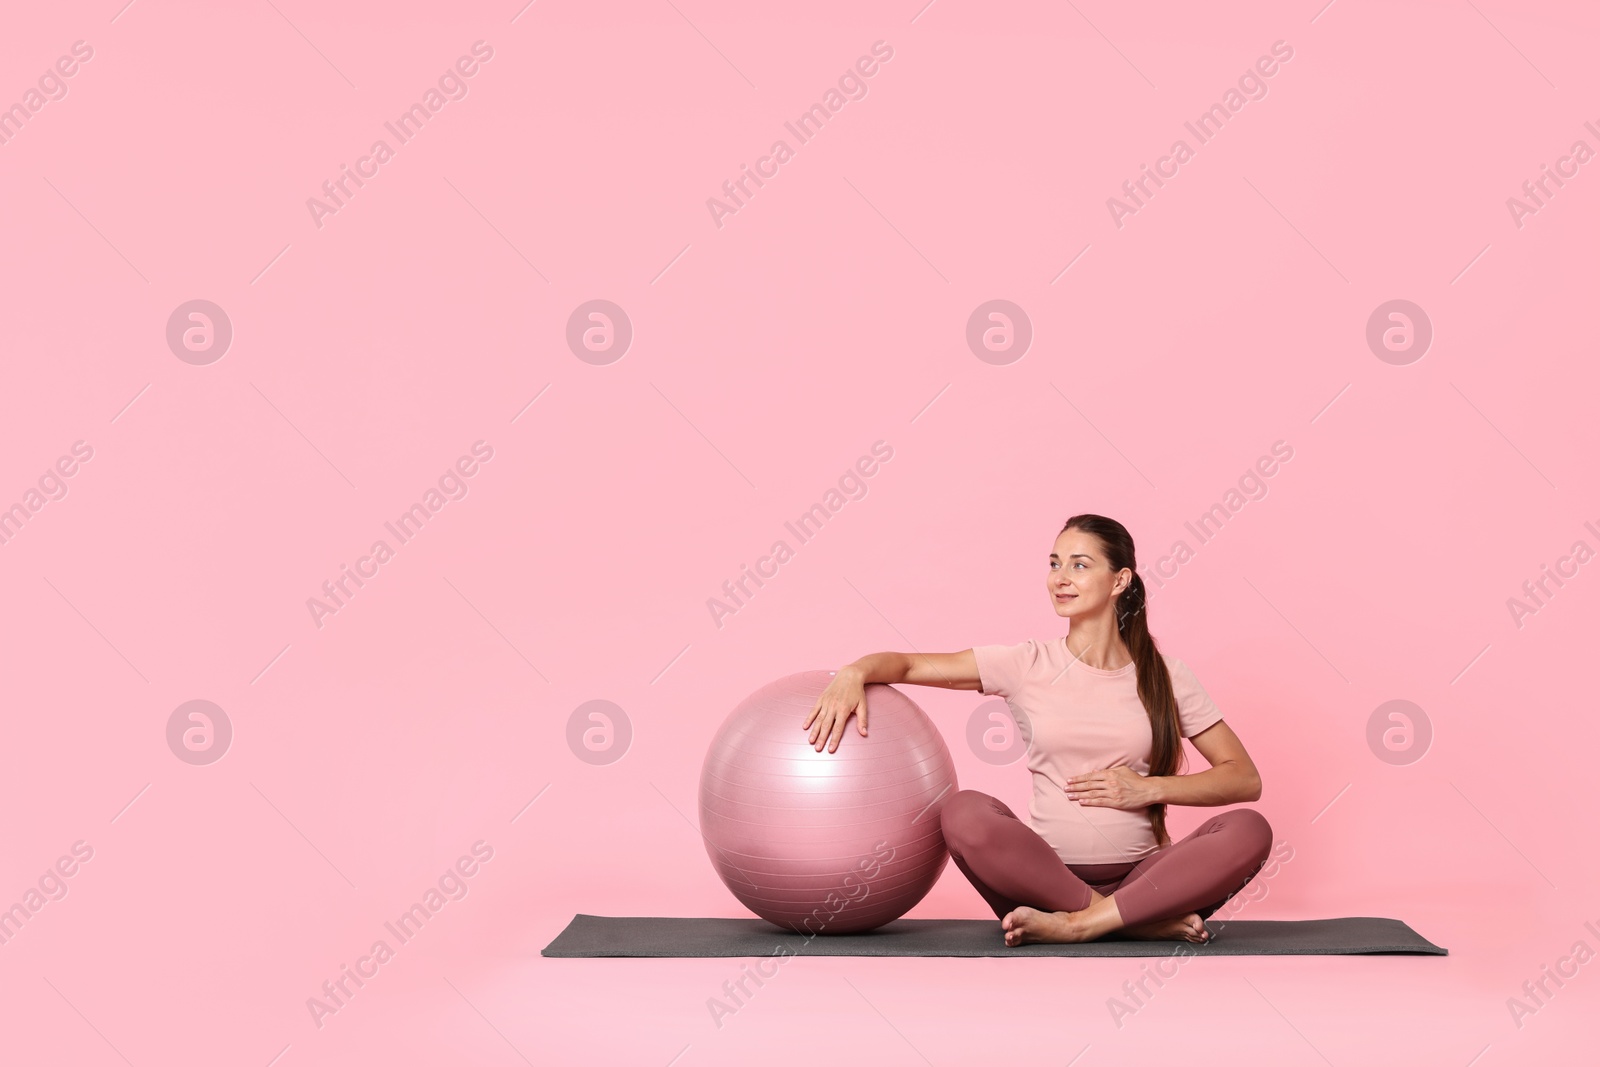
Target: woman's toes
1019, 922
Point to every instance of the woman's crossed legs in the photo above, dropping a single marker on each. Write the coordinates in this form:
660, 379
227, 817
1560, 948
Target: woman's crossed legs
1039, 898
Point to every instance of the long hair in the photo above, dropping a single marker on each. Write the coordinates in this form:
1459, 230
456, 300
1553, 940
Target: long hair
1155, 681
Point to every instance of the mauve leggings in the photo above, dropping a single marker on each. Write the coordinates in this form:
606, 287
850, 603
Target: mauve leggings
1011, 865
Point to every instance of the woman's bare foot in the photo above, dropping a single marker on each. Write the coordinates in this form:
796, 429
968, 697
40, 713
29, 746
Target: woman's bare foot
1188, 927
1025, 925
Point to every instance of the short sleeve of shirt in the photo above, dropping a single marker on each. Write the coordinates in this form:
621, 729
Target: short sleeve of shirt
1196, 709
1001, 668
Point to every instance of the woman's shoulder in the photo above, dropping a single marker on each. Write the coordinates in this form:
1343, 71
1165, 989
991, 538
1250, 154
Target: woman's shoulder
1031, 655
1028, 646
1180, 672
1184, 680
1004, 669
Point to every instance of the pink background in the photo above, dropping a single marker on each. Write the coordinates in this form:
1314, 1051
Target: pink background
768, 354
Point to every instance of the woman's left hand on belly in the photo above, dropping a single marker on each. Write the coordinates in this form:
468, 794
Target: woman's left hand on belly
1115, 787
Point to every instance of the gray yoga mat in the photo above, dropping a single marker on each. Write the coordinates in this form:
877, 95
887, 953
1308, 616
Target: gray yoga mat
647, 935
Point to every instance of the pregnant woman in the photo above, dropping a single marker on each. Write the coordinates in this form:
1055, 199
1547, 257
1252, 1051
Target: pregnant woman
1103, 711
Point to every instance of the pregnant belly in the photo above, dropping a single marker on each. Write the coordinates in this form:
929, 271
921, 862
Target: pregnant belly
1092, 834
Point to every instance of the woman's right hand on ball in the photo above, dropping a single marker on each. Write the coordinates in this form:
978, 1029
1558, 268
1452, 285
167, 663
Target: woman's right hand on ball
846, 695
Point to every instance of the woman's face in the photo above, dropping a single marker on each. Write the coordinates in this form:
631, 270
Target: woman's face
1080, 580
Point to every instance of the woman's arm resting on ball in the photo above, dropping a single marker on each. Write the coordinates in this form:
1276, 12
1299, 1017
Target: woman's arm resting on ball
846, 694
1232, 779
949, 670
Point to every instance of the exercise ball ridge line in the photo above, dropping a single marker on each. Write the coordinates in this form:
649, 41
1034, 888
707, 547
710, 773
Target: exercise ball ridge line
765, 815
776, 888
776, 864
787, 800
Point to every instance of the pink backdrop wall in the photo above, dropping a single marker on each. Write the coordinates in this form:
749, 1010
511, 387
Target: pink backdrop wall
371, 347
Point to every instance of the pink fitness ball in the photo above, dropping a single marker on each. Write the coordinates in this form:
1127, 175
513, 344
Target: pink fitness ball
826, 842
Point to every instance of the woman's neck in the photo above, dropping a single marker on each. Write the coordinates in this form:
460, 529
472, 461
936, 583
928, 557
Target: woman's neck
1097, 646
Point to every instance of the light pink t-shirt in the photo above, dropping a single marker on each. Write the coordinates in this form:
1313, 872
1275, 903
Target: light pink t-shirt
1078, 719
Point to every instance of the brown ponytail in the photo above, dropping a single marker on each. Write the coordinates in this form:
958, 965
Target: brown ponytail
1155, 682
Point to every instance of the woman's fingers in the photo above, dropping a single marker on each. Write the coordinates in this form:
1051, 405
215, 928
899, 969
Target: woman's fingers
821, 726
837, 732
821, 729
829, 718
